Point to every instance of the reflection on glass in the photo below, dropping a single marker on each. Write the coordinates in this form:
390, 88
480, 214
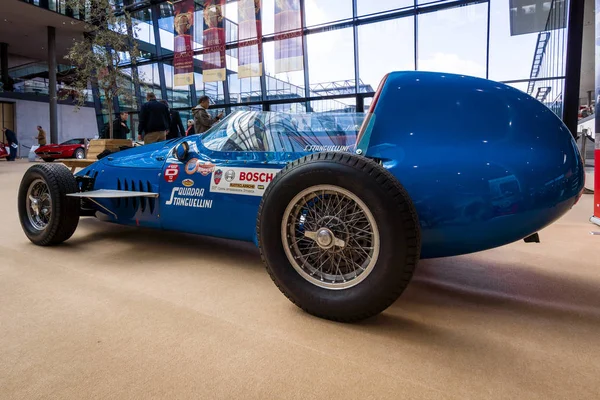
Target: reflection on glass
178, 97
510, 56
375, 57
214, 90
149, 79
331, 59
370, 6
334, 105
144, 29
454, 40
319, 12
280, 132
281, 86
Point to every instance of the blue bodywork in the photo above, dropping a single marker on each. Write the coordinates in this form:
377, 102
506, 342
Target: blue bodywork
484, 164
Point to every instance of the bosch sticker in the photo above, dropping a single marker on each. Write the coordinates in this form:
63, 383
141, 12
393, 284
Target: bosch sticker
243, 181
171, 173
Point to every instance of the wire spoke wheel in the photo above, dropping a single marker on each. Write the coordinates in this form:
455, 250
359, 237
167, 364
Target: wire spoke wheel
330, 237
39, 204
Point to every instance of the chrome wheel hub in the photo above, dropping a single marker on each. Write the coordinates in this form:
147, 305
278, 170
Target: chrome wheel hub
39, 205
330, 237
324, 238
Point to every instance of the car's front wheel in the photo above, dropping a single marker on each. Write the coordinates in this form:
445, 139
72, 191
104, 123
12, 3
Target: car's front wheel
48, 216
339, 235
47, 159
79, 154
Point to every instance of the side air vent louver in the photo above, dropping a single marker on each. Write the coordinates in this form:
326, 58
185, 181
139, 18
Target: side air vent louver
144, 203
150, 199
142, 199
118, 188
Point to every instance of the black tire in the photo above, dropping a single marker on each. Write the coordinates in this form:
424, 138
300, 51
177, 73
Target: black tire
48, 159
64, 210
78, 152
396, 220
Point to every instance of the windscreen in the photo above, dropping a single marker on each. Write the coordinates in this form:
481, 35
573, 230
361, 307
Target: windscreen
282, 132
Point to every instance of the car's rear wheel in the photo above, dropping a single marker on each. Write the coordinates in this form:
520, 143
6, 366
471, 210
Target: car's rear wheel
79, 154
48, 216
339, 235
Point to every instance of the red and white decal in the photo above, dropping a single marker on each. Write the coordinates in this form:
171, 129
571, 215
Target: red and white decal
203, 167
244, 181
171, 173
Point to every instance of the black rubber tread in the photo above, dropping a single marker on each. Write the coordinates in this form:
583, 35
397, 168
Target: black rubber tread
48, 159
65, 210
394, 189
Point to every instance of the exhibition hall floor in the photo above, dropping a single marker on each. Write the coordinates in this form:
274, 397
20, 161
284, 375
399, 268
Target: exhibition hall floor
122, 313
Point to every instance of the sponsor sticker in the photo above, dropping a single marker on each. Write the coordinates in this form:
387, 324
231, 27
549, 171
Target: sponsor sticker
171, 173
188, 197
217, 176
244, 181
230, 175
203, 167
192, 166
187, 183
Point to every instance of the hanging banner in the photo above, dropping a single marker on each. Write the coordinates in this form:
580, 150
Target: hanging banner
183, 61
288, 36
250, 39
214, 41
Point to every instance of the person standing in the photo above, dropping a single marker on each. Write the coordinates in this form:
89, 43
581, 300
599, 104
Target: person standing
120, 128
154, 120
176, 129
41, 137
190, 128
13, 143
202, 120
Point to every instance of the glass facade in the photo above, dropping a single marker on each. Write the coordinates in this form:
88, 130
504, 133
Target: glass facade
349, 45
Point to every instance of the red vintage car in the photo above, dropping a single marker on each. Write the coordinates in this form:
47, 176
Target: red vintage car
74, 148
3, 152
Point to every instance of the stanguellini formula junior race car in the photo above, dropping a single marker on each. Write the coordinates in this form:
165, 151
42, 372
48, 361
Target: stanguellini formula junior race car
342, 206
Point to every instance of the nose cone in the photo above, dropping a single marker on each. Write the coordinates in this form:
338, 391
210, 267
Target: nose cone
485, 164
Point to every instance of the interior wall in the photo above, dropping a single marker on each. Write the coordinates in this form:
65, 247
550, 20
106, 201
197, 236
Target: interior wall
72, 123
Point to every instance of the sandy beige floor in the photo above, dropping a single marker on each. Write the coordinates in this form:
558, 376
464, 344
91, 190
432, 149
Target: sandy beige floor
121, 313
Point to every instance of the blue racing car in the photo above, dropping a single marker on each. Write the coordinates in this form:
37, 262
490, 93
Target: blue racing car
342, 206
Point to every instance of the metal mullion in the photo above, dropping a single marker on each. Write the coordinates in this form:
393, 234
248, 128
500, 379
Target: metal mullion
154, 11
356, 56
305, 54
487, 50
416, 35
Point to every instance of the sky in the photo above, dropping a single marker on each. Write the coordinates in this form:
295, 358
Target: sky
452, 41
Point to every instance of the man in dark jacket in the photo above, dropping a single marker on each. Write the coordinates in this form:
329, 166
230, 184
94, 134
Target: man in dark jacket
120, 128
13, 143
154, 120
176, 129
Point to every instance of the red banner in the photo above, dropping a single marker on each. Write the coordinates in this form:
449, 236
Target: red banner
250, 38
183, 60
288, 36
214, 41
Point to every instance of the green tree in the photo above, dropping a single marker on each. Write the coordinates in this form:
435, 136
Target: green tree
107, 42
